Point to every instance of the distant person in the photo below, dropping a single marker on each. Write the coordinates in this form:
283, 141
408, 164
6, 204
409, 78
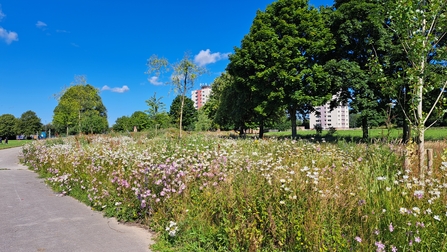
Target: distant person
1, 140
6, 140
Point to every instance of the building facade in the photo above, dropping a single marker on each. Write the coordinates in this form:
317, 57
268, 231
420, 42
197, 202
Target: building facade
201, 96
337, 118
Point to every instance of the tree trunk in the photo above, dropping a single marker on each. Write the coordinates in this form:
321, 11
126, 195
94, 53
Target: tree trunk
181, 115
241, 131
292, 113
420, 120
261, 129
365, 131
420, 129
406, 131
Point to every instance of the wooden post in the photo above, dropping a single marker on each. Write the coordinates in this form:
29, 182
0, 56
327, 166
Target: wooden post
429, 158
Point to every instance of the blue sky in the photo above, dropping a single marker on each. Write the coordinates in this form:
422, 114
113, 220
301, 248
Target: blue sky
44, 44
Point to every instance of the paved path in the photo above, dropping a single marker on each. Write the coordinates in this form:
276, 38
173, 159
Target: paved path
34, 218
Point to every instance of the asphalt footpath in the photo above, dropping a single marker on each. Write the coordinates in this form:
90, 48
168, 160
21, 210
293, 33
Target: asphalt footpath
34, 218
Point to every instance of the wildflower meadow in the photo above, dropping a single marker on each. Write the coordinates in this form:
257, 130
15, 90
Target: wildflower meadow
211, 193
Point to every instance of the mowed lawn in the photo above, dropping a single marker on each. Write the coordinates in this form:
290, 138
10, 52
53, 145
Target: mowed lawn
432, 134
13, 143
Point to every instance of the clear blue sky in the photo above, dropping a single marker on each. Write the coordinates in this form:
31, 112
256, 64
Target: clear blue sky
44, 44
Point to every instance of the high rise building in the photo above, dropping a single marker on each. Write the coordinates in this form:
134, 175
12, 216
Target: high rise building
337, 118
201, 96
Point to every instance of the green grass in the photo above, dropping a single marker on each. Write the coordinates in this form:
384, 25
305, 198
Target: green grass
355, 135
14, 143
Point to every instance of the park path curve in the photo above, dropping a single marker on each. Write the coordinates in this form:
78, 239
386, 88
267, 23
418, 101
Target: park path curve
34, 218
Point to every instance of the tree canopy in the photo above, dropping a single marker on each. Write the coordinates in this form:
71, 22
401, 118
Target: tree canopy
183, 75
28, 124
8, 124
189, 112
80, 109
280, 62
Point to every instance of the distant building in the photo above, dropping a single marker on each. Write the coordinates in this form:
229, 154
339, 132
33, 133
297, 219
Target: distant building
337, 118
201, 96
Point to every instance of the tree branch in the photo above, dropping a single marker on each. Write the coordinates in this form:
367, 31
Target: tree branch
436, 102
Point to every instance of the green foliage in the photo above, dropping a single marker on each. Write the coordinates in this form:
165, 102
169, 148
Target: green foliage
282, 124
140, 120
360, 34
8, 124
280, 63
203, 123
29, 124
94, 123
80, 103
188, 112
123, 124
183, 75
157, 114
155, 105
419, 30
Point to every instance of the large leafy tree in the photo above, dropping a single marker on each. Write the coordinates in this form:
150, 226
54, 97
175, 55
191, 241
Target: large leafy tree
360, 34
122, 124
280, 62
183, 75
189, 112
28, 123
230, 105
140, 120
8, 124
80, 103
92, 123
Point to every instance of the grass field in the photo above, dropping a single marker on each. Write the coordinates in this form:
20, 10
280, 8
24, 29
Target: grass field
14, 143
432, 134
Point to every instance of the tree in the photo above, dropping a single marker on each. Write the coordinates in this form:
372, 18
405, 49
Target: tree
122, 124
360, 34
28, 124
157, 114
280, 62
184, 74
189, 112
77, 102
8, 125
155, 105
421, 27
93, 123
203, 122
140, 120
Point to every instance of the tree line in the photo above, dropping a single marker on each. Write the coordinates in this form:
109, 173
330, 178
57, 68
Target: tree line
383, 58
28, 124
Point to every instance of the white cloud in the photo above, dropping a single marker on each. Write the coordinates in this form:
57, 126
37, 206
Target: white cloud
41, 25
116, 89
74, 44
154, 80
206, 57
8, 36
2, 15
62, 31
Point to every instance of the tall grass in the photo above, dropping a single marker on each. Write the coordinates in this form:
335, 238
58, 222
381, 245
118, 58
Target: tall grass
205, 193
